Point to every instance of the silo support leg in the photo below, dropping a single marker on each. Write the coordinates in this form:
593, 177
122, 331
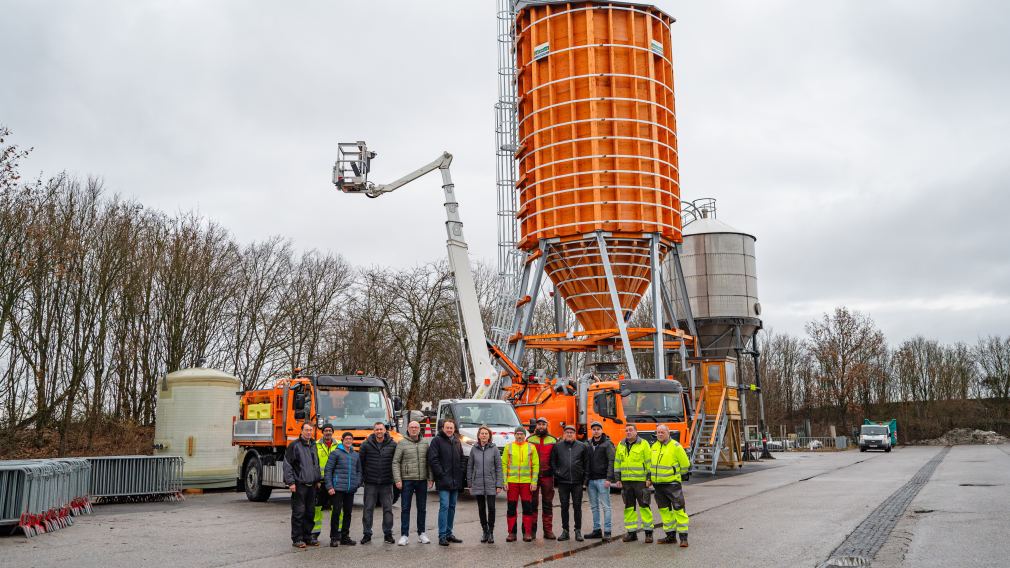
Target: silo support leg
618, 314
658, 351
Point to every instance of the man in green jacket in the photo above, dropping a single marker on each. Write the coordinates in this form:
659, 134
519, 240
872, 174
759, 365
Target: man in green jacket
669, 463
632, 468
412, 478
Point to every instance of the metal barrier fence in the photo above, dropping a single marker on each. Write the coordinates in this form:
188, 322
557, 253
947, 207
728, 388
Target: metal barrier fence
135, 478
40, 496
807, 444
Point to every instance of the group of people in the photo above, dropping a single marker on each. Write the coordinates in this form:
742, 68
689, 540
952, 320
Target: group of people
326, 474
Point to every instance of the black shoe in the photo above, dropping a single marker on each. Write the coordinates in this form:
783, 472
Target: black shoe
595, 534
314, 542
683, 540
630, 537
490, 537
563, 536
334, 542
483, 537
668, 539
389, 539
511, 537
366, 539
452, 538
648, 537
527, 538
298, 544
606, 534
443, 542
578, 536
347, 541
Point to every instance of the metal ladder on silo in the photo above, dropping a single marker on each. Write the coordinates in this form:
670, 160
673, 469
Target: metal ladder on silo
707, 442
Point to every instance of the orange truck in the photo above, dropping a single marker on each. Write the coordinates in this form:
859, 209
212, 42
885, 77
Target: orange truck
272, 418
646, 403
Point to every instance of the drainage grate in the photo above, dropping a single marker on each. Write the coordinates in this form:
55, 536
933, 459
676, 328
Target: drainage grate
864, 542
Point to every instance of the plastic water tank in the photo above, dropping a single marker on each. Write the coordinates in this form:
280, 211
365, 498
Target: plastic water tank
193, 419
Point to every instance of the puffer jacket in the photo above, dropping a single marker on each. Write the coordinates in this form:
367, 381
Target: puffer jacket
410, 460
483, 470
301, 463
377, 460
570, 462
601, 458
343, 470
445, 458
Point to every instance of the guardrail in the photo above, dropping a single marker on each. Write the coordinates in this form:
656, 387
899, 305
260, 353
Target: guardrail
806, 443
40, 496
134, 478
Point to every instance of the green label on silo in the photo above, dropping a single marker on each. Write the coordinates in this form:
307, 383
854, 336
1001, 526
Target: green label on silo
541, 51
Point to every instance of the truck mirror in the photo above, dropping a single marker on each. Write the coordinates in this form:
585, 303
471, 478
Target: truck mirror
617, 421
397, 404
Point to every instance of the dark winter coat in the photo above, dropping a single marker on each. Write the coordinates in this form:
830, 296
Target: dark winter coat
483, 470
446, 461
343, 470
377, 460
570, 462
301, 463
601, 458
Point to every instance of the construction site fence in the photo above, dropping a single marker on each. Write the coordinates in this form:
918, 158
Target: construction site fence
136, 478
806, 444
41, 496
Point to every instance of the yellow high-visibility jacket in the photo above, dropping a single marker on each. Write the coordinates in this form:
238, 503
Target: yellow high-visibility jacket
520, 463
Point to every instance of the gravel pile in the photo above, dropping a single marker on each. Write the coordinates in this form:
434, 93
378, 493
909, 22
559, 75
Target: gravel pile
963, 436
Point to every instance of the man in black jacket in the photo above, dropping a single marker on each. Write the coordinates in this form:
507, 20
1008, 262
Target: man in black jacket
377, 471
448, 467
601, 475
570, 463
302, 476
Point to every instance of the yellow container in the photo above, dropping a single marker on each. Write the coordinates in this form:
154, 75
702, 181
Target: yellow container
258, 411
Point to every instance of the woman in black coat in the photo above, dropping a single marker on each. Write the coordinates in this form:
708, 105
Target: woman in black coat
445, 459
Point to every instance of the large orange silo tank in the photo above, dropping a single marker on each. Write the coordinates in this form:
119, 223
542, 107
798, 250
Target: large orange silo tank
597, 146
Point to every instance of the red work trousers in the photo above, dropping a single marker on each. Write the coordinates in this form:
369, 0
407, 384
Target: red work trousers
520, 492
545, 495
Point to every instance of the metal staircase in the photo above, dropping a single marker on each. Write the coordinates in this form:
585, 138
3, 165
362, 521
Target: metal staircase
708, 435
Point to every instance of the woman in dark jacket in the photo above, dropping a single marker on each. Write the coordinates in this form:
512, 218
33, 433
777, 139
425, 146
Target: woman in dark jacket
484, 479
445, 459
342, 478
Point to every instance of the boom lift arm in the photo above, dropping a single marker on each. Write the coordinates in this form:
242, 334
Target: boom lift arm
350, 175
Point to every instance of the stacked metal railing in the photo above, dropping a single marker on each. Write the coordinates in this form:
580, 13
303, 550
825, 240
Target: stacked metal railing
40, 496
135, 478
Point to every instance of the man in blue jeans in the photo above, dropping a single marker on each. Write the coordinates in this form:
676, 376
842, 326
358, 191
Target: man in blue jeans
601, 475
413, 478
445, 459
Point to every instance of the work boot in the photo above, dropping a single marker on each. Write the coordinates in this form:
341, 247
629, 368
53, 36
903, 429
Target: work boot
630, 537
347, 541
388, 539
683, 540
564, 535
578, 536
298, 544
490, 536
452, 538
483, 538
527, 537
366, 539
313, 542
549, 535
443, 542
670, 538
648, 537
334, 542
607, 534
597, 533
511, 537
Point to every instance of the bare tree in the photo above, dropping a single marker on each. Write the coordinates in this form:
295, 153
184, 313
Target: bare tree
993, 353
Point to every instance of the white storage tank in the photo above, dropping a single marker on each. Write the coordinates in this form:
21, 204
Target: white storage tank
193, 419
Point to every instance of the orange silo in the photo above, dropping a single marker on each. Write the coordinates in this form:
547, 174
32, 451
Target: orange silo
597, 148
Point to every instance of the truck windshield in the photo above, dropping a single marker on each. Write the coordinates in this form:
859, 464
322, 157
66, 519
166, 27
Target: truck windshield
654, 406
874, 430
474, 414
352, 408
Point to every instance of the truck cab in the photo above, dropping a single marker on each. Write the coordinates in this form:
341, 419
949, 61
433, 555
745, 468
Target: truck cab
874, 437
471, 413
272, 418
646, 403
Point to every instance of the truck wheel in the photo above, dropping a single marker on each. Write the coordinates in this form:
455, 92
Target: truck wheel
253, 476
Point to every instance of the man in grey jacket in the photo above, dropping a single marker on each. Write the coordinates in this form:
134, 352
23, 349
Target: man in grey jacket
302, 476
412, 478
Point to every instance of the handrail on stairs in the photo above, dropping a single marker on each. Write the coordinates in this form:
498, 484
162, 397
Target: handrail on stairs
718, 416
699, 415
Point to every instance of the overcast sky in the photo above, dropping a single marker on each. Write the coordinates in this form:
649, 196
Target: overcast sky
865, 144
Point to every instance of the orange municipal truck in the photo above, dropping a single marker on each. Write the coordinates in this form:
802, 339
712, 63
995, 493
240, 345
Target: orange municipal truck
272, 418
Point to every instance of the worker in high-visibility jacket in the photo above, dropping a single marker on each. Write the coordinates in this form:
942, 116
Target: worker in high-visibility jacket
520, 466
632, 468
323, 448
669, 464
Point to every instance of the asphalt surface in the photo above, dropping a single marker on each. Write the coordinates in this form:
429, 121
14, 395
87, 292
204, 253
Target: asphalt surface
793, 511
